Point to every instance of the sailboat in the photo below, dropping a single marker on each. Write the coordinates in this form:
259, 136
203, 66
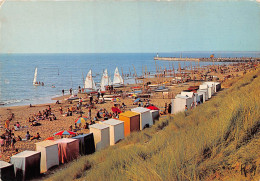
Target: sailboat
89, 82
35, 78
118, 80
105, 81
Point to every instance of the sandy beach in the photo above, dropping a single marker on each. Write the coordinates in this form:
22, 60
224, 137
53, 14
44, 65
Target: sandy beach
48, 128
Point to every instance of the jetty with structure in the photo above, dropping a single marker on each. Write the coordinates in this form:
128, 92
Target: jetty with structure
211, 59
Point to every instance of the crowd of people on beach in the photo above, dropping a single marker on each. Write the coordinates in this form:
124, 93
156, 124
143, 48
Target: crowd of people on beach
8, 138
89, 108
44, 115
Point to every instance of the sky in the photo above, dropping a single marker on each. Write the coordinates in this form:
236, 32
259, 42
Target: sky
128, 26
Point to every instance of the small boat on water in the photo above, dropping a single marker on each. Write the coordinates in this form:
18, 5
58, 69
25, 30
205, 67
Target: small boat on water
89, 82
35, 83
105, 81
118, 80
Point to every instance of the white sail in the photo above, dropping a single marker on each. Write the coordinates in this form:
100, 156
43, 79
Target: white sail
89, 82
105, 80
35, 76
117, 78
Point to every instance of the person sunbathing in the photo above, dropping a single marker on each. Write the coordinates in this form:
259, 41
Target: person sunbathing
36, 137
39, 114
35, 123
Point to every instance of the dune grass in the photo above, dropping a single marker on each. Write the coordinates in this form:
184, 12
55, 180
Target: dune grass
213, 141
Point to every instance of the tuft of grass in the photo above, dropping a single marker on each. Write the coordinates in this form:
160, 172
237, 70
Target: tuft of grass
218, 139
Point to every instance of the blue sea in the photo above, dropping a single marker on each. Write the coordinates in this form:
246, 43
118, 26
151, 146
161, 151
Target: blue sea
66, 71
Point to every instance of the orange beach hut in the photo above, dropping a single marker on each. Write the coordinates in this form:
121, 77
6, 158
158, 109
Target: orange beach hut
131, 121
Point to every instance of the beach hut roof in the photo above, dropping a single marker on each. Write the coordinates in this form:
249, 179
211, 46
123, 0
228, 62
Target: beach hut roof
4, 164
129, 114
46, 143
99, 126
140, 109
113, 122
26, 153
65, 140
181, 97
81, 136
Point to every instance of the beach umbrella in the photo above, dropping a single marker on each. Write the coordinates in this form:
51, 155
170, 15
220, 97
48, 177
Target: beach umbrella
81, 120
64, 133
50, 138
153, 108
134, 95
116, 110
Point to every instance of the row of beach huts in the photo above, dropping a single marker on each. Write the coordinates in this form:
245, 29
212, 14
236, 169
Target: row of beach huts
188, 99
49, 153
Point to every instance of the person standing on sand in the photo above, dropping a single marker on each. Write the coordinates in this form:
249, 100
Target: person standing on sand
170, 108
60, 110
27, 136
70, 91
13, 141
62, 92
165, 107
7, 123
89, 113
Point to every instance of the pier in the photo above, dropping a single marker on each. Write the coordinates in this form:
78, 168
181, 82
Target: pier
233, 59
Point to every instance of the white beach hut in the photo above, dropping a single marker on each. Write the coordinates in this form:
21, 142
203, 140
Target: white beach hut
116, 129
189, 94
211, 87
208, 88
155, 115
49, 154
145, 116
216, 85
26, 164
199, 97
101, 135
204, 94
178, 104
206, 91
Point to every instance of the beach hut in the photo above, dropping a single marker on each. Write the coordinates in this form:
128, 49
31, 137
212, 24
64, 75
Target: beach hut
206, 93
68, 149
86, 143
211, 88
145, 117
26, 164
131, 121
6, 171
208, 88
116, 129
155, 115
49, 154
189, 94
178, 104
101, 135
216, 85
203, 93
199, 97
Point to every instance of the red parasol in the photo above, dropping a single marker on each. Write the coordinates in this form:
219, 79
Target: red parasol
153, 108
64, 133
116, 110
